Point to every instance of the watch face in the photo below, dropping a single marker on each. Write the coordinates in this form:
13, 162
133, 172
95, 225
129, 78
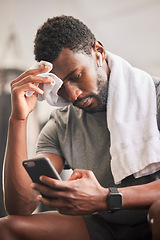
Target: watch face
115, 201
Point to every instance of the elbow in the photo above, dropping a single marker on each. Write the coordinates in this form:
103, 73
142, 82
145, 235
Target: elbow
17, 210
22, 208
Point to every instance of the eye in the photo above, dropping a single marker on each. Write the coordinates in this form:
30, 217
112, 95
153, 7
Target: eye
62, 92
75, 78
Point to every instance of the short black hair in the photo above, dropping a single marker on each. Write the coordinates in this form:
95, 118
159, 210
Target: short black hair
62, 32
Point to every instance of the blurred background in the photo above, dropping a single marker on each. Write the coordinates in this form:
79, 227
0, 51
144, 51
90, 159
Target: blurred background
129, 28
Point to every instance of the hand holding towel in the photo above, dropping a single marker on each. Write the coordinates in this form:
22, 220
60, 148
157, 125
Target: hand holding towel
50, 90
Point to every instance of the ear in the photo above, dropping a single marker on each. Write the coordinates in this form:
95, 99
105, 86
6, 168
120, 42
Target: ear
98, 47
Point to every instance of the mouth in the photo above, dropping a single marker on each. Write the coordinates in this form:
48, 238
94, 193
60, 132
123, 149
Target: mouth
84, 103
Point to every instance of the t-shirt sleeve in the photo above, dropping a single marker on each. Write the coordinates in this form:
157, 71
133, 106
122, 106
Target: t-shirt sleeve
48, 139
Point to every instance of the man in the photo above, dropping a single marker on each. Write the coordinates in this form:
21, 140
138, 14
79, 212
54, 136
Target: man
79, 135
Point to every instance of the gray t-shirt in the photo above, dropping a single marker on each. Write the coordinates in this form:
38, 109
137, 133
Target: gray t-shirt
82, 139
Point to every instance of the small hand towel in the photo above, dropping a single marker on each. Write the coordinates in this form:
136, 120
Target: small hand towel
50, 90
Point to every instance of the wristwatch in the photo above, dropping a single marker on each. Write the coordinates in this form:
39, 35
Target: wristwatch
114, 200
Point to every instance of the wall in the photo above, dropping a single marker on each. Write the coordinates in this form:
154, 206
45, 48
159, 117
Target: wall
127, 28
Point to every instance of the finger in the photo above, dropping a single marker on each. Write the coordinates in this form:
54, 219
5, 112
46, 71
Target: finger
75, 175
46, 191
21, 90
80, 173
48, 202
32, 79
53, 183
28, 83
54, 203
41, 69
57, 184
63, 207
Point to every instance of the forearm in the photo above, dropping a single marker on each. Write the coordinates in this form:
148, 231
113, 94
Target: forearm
140, 196
135, 197
82, 194
19, 198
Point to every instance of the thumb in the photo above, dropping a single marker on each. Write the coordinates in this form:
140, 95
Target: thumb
75, 175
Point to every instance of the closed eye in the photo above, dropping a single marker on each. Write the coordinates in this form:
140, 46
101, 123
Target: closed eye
75, 78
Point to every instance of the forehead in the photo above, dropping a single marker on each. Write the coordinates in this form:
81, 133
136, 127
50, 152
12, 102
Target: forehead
68, 61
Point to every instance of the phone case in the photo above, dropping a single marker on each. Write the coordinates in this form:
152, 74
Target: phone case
38, 167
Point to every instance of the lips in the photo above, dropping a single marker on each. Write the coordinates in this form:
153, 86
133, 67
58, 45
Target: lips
85, 102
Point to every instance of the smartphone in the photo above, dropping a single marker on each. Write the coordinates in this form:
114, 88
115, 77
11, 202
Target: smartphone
37, 167
40, 166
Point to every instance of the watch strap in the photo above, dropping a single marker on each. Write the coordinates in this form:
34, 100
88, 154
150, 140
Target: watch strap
113, 190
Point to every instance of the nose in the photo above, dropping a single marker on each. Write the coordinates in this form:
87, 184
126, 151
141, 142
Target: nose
73, 91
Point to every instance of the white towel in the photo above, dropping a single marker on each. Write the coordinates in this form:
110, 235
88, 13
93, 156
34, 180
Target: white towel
131, 118
50, 90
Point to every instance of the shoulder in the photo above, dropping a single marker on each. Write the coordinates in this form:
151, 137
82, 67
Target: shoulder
66, 114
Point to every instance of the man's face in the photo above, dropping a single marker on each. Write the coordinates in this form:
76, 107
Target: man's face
84, 84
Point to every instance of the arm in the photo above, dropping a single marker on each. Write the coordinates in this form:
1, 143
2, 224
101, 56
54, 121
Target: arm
19, 197
141, 196
82, 194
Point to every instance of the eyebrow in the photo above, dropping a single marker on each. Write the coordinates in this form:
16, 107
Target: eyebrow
70, 74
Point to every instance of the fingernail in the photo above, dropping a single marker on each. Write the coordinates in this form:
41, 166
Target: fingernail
32, 185
39, 197
46, 66
42, 66
51, 80
42, 92
41, 178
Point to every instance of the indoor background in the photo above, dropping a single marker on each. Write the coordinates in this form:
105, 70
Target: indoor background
129, 28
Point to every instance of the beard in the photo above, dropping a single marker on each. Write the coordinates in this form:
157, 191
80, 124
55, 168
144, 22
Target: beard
102, 100
101, 97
